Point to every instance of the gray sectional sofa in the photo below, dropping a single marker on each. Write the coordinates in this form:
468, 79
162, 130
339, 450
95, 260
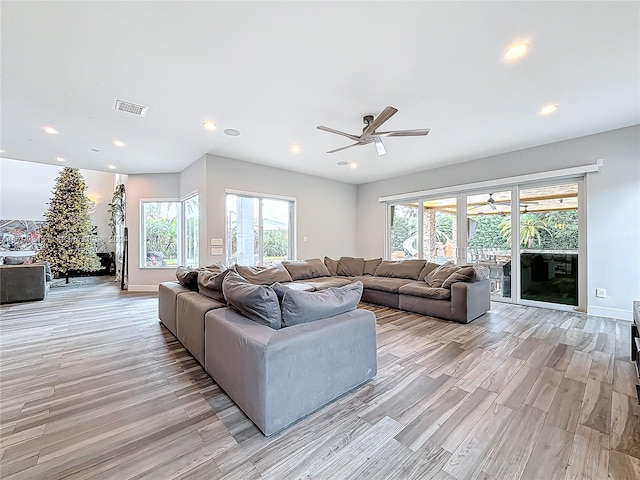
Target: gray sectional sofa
24, 283
279, 375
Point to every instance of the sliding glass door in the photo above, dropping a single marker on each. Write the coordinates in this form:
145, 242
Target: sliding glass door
549, 243
525, 238
440, 230
489, 238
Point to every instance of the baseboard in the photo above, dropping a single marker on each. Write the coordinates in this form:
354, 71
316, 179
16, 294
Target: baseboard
142, 288
610, 312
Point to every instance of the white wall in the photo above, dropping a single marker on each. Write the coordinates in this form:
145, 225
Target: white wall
613, 206
149, 186
326, 209
27, 187
194, 179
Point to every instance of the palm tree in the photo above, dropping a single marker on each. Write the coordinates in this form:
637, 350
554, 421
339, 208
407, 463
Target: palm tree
530, 228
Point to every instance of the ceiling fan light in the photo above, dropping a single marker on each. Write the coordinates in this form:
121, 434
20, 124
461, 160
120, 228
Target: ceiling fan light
379, 146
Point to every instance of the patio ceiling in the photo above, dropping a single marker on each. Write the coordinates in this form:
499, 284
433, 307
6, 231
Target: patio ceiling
534, 199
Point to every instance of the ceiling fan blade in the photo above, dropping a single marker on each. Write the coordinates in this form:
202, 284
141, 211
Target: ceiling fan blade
331, 130
385, 115
403, 133
344, 148
379, 146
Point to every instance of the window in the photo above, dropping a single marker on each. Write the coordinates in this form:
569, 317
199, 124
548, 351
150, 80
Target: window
191, 231
260, 230
160, 221
170, 233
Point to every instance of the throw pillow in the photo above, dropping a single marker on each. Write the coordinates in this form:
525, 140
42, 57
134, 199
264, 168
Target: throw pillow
400, 268
302, 307
304, 269
464, 274
188, 277
256, 302
280, 290
350, 267
439, 275
210, 284
371, 265
13, 260
264, 275
332, 266
428, 268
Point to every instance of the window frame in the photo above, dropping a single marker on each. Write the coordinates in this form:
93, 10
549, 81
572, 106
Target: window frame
143, 240
292, 235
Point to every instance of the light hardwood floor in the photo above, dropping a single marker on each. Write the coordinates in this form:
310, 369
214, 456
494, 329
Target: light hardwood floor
93, 387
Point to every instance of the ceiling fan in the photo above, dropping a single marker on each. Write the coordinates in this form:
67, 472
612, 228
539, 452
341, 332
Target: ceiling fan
369, 134
492, 202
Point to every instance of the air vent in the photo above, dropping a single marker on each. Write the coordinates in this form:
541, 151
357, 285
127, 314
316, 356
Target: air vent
132, 108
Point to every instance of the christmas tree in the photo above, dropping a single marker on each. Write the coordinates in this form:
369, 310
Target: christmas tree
66, 238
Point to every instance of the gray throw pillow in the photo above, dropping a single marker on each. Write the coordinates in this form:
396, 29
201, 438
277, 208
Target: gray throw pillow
437, 277
302, 307
13, 260
371, 265
463, 274
256, 302
264, 275
332, 266
188, 277
428, 268
350, 266
304, 269
210, 284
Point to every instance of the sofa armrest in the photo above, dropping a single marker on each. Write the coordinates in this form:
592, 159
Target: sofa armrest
279, 376
469, 300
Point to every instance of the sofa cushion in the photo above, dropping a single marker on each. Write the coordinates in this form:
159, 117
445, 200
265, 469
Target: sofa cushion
256, 302
14, 260
188, 277
421, 289
428, 268
440, 274
303, 307
326, 282
400, 268
332, 266
264, 275
384, 284
210, 283
463, 274
371, 265
350, 266
309, 268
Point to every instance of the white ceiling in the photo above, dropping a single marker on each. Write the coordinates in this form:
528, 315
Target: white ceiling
276, 70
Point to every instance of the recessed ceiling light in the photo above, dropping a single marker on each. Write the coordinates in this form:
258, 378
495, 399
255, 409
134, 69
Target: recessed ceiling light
343, 163
516, 51
1, 151
208, 125
296, 148
353, 165
111, 167
118, 143
547, 109
50, 130
60, 159
232, 132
